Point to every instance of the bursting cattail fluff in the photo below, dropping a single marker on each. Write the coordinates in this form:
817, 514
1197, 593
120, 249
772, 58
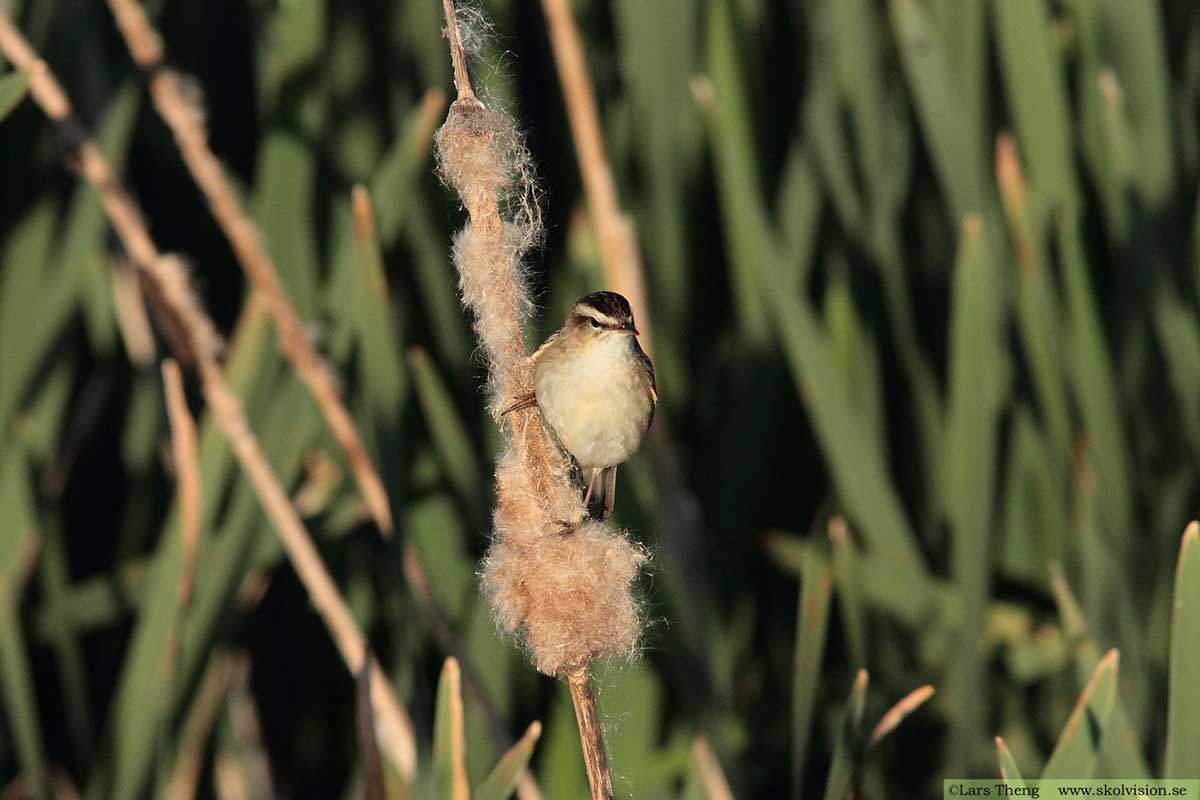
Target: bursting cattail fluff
560, 582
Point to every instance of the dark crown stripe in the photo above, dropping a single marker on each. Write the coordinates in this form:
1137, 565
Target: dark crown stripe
609, 304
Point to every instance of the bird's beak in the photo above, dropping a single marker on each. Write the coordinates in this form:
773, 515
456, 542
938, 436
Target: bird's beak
628, 328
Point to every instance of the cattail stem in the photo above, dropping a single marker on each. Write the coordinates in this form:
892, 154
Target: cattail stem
458, 58
568, 597
595, 759
616, 238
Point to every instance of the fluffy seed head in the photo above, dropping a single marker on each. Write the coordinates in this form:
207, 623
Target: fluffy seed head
567, 595
561, 584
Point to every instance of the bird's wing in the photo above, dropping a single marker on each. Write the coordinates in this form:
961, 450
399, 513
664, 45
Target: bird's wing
530, 400
649, 367
541, 348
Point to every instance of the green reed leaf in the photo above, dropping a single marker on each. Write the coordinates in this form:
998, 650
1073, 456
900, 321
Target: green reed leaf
1183, 696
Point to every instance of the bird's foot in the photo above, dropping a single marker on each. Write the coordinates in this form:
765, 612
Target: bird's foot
521, 402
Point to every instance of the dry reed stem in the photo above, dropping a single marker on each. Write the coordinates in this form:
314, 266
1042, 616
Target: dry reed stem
373, 781
187, 472
198, 726
186, 122
229, 782
1014, 197
459, 787
616, 236
432, 107
322, 477
899, 712
188, 490
166, 275
242, 713
396, 732
528, 739
458, 58
527, 785
362, 215
716, 787
132, 321
187, 125
595, 760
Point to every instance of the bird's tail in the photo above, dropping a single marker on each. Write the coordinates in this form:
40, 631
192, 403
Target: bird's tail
601, 491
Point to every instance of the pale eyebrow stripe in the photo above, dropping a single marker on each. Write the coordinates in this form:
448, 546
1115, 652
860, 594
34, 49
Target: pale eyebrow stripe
599, 316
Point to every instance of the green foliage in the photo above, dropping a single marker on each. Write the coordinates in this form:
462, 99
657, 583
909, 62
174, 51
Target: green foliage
449, 740
1008, 765
1078, 748
976, 397
812, 619
924, 276
20, 702
847, 741
1183, 752
502, 780
13, 88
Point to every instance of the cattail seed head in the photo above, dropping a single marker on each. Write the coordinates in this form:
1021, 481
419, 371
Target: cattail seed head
474, 150
559, 582
567, 595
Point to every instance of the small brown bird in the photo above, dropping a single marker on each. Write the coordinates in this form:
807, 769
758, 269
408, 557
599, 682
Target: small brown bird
595, 388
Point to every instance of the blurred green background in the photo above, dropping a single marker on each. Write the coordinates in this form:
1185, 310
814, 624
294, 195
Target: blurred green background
930, 267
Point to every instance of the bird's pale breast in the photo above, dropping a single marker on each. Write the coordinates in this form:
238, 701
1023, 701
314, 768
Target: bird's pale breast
596, 401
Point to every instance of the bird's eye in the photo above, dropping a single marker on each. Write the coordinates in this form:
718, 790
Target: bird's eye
595, 322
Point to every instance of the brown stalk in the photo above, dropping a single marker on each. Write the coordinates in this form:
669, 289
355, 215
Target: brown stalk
373, 780
558, 581
616, 236
396, 732
162, 271
527, 785
459, 787
187, 125
197, 727
458, 58
595, 761
899, 712
1014, 198
145, 45
716, 787
187, 482
132, 321
187, 473
229, 780
244, 722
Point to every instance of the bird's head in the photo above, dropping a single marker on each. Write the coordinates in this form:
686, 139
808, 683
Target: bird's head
602, 314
